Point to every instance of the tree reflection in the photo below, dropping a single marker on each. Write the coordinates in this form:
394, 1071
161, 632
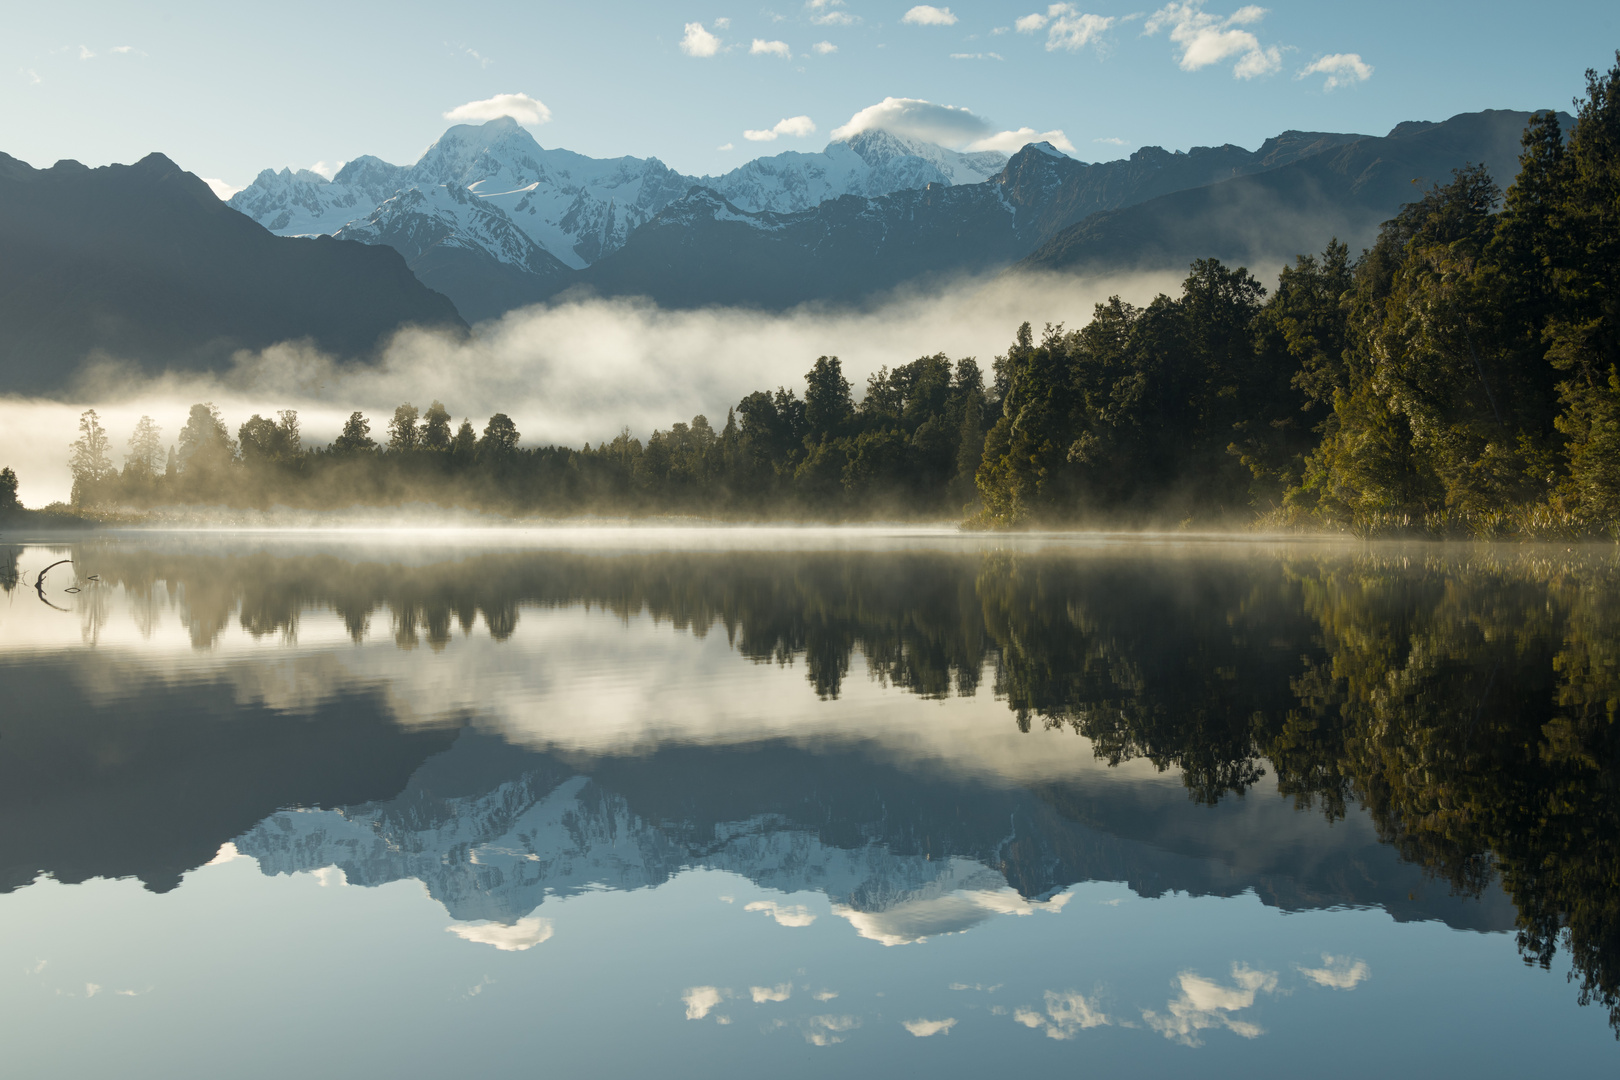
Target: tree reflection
1467, 701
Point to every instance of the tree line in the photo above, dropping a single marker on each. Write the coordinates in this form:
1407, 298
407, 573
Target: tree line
1461, 376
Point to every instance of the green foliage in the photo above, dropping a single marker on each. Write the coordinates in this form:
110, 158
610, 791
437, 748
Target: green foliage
8, 491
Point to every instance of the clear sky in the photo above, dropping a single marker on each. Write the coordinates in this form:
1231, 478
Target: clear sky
229, 89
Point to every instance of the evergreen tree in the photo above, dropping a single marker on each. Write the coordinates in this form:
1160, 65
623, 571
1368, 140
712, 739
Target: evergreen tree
355, 437
403, 433
436, 427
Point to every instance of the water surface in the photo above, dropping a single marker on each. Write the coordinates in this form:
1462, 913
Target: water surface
700, 803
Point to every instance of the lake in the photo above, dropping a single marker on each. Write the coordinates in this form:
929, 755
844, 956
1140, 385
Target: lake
764, 801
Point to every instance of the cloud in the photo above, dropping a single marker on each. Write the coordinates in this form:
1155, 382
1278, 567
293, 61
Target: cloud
123, 49
725, 146
1010, 142
929, 15
328, 171
1338, 972
573, 370
796, 126
976, 56
824, 48
924, 1028
763, 994
1341, 69
222, 191
826, 13
722, 24
785, 914
701, 1000
761, 47
1206, 39
520, 107
1206, 1004
947, 125
521, 936
1067, 1014
1066, 27
824, 995
1111, 141
828, 1030
85, 53
698, 41
32, 76
955, 912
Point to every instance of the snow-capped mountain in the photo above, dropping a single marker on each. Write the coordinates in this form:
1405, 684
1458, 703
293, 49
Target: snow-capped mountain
305, 203
578, 208
869, 164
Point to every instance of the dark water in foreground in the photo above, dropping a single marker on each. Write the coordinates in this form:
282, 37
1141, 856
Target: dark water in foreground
700, 804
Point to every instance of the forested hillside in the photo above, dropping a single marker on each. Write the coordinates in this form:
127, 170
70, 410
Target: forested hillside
1457, 378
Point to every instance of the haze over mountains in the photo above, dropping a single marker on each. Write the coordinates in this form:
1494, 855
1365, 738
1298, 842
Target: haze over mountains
141, 263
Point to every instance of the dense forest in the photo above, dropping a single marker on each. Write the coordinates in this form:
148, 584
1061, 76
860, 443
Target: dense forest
1461, 377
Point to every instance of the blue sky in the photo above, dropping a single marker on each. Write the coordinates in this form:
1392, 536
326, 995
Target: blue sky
229, 89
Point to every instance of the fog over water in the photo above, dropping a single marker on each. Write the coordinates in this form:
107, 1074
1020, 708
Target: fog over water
568, 372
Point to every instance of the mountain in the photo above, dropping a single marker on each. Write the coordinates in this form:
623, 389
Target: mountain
492, 831
142, 263
493, 220
704, 249
1347, 191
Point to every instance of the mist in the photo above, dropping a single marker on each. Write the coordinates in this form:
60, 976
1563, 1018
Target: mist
567, 372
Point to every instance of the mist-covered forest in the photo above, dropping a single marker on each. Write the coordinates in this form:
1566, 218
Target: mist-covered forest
1461, 377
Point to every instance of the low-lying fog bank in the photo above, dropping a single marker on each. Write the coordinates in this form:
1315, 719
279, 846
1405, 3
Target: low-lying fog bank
567, 373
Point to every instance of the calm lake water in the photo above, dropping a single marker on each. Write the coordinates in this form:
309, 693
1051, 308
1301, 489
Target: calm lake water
794, 803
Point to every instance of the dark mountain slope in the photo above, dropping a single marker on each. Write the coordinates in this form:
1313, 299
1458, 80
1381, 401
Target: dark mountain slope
1272, 216
142, 263
704, 250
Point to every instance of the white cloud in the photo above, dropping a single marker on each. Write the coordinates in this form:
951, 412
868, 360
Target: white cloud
85, 53
123, 49
824, 995
701, 1000
328, 171
1338, 972
1073, 31
785, 914
1206, 39
1066, 27
826, 13
929, 15
520, 107
1341, 69
1206, 1004
698, 41
725, 146
947, 125
722, 24
520, 936
1010, 142
827, 1030
976, 56
795, 126
761, 47
763, 994
824, 48
1111, 141
924, 1028
32, 76
1067, 1014
222, 191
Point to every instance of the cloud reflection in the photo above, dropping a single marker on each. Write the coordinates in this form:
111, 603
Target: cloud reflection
1205, 1004
1338, 972
519, 936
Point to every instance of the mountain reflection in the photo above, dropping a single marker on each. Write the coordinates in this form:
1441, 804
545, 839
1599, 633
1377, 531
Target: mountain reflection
1451, 716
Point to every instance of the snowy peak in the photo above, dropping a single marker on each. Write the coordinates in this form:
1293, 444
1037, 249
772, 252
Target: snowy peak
870, 164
